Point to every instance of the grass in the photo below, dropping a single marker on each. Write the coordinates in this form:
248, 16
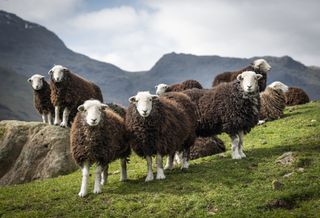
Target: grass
213, 186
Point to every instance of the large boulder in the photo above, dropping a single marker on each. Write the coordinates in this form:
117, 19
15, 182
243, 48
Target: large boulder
33, 150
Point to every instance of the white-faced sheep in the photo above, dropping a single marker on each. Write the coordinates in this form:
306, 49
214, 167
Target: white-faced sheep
160, 126
273, 102
295, 96
260, 66
68, 91
187, 84
98, 136
41, 97
232, 108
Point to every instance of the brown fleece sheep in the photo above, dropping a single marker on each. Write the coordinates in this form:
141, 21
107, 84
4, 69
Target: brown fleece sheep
41, 97
68, 91
185, 85
273, 101
232, 108
98, 135
118, 109
295, 96
160, 126
206, 146
260, 66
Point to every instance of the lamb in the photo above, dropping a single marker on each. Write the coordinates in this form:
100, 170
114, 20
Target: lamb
41, 97
272, 102
160, 126
68, 91
206, 146
188, 84
232, 108
98, 136
295, 96
260, 66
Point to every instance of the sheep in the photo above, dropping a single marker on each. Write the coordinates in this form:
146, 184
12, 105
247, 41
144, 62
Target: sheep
206, 146
41, 97
68, 91
188, 84
295, 96
118, 109
260, 66
232, 108
160, 126
98, 136
272, 102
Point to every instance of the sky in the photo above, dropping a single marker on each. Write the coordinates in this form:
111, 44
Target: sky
134, 34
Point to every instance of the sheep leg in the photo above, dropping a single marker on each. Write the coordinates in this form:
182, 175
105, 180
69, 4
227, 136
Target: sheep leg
185, 157
104, 175
160, 173
178, 158
169, 164
65, 117
44, 120
241, 136
150, 174
49, 118
85, 178
235, 147
57, 120
123, 176
97, 180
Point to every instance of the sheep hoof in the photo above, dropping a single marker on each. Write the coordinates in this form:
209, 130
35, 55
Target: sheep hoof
149, 178
97, 191
160, 176
242, 155
236, 156
82, 194
63, 125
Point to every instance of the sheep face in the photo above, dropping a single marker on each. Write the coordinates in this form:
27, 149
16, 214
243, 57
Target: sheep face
36, 81
143, 102
279, 86
57, 73
249, 81
92, 110
262, 65
161, 88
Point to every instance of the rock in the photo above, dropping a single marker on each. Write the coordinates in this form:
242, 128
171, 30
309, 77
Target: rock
33, 150
206, 146
286, 159
288, 175
276, 185
300, 170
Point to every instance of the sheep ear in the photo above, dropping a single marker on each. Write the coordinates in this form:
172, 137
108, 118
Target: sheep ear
154, 97
81, 108
239, 77
50, 72
29, 80
259, 76
133, 99
104, 106
156, 87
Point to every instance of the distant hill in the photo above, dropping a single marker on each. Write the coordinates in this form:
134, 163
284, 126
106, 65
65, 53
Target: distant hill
27, 48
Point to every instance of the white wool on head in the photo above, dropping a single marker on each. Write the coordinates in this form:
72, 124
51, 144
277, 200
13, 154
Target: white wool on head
57, 73
249, 81
161, 88
92, 110
36, 81
279, 86
143, 102
262, 65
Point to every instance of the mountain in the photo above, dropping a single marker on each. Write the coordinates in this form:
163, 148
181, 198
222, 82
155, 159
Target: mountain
27, 48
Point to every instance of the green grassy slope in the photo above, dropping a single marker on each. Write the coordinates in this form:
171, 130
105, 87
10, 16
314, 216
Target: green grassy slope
215, 185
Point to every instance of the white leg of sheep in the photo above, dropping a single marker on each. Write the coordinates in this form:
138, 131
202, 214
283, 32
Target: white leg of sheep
150, 174
241, 136
57, 119
44, 120
65, 117
97, 179
123, 176
104, 175
185, 164
160, 173
235, 147
178, 157
49, 118
169, 164
85, 178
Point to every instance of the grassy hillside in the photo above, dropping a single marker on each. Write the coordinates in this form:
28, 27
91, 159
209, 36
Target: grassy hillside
215, 185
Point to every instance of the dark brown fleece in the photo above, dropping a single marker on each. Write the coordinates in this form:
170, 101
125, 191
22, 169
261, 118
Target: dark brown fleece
73, 91
42, 100
188, 84
166, 130
118, 109
206, 146
231, 76
295, 96
100, 144
272, 104
225, 108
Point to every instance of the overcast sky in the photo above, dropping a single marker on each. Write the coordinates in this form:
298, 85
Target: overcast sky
134, 34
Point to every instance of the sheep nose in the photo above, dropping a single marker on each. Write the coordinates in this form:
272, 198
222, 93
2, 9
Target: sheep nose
249, 87
94, 120
145, 111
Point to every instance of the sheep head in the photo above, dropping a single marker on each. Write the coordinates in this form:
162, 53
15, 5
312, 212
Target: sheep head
143, 102
261, 64
57, 73
279, 86
92, 110
249, 82
36, 81
161, 88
